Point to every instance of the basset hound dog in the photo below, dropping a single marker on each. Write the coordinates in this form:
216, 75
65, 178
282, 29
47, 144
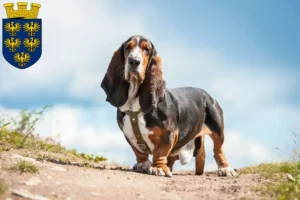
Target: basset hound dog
170, 124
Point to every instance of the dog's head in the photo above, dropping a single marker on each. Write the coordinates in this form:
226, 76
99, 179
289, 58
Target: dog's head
135, 63
138, 52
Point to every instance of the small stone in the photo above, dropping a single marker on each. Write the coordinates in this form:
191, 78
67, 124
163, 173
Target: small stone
49, 177
290, 177
141, 197
25, 194
16, 156
61, 169
33, 181
95, 194
58, 183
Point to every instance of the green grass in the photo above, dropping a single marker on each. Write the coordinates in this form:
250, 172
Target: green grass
269, 169
275, 181
21, 135
278, 185
3, 187
24, 166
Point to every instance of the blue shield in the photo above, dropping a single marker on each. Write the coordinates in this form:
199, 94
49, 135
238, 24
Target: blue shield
22, 41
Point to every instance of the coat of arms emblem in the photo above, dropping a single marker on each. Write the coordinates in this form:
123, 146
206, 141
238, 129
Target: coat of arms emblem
22, 35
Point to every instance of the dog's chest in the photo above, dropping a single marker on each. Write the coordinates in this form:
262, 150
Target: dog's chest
141, 123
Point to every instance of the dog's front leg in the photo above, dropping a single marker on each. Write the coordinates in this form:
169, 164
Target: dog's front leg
163, 141
143, 164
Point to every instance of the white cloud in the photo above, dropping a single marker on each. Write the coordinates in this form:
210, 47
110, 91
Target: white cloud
238, 147
67, 121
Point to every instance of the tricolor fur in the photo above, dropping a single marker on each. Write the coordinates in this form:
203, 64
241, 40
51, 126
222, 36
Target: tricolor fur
172, 122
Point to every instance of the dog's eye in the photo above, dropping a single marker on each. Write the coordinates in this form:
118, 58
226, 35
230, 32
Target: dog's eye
146, 51
127, 48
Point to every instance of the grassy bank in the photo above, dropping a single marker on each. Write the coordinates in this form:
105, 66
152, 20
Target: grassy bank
283, 179
19, 133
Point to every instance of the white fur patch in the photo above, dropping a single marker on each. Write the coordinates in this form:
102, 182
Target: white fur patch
135, 53
186, 152
226, 171
127, 128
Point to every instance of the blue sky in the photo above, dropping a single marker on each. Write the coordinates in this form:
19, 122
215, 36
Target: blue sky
244, 53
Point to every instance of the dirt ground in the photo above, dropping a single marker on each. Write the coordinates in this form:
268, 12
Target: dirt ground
55, 181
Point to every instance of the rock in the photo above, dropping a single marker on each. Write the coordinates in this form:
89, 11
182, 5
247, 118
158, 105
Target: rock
33, 181
25, 194
290, 177
16, 156
57, 168
58, 183
96, 194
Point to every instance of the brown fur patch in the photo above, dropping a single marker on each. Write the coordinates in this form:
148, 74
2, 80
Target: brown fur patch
144, 46
163, 143
171, 161
129, 46
200, 158
204, 130
152, 89
218, 150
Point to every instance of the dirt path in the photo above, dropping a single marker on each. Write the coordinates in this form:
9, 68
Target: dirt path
56, 181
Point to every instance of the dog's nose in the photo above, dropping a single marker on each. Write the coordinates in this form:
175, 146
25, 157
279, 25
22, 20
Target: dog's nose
134, 62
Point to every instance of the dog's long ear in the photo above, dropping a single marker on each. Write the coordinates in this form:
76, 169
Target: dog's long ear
113, 83
153, 86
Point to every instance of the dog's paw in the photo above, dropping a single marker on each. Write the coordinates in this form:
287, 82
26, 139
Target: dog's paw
160, 171
143, 167
226, 171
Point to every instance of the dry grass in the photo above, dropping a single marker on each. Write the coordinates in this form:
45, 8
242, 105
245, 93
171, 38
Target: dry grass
3, 187
24, 166
278, 185
268, 170
20, 134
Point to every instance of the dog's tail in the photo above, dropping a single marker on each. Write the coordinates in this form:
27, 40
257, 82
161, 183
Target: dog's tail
214, 118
